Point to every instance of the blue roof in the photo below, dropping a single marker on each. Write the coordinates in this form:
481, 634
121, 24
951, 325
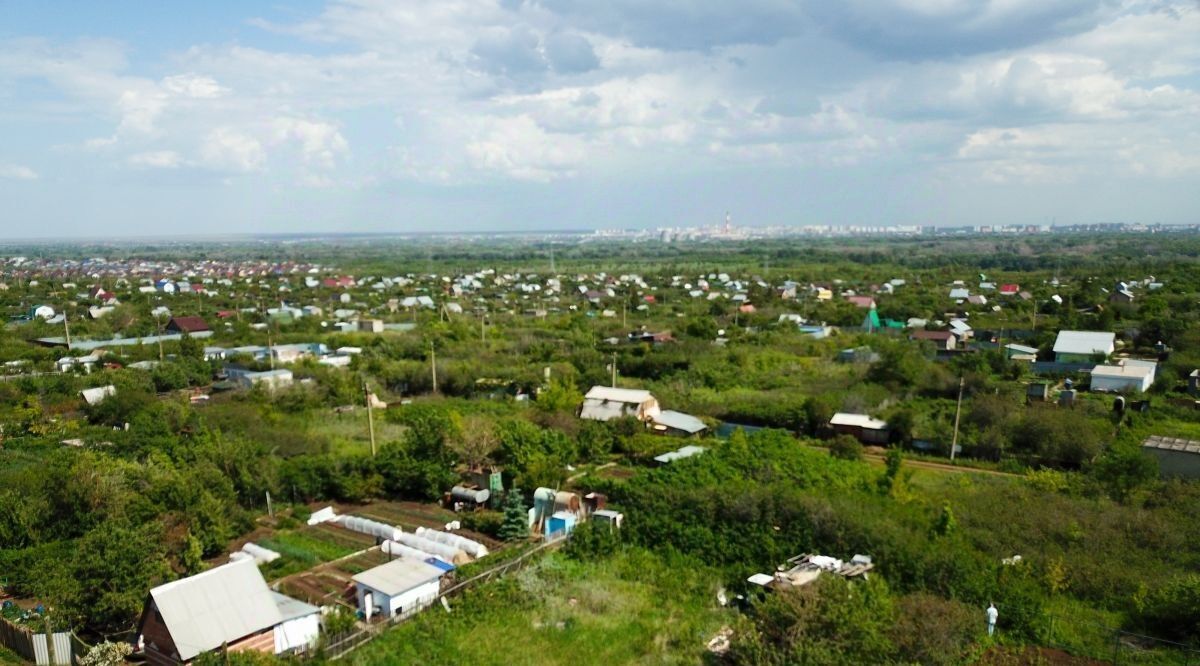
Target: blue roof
444, 566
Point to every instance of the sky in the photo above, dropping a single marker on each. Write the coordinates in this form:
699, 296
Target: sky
129, 118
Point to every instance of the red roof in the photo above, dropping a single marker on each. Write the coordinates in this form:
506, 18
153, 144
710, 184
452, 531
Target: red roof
861, 301
187, 324
1009, 288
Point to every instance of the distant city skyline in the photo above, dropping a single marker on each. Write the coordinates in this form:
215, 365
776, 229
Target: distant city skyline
123, 119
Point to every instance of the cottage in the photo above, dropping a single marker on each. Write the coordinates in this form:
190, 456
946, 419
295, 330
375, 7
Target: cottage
228, 607
861, 301
940, 339
1083, 346
399, 588
187, 325
603, 403
866, 429
1177, 458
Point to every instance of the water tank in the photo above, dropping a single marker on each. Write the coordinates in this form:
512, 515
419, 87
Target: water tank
470, 495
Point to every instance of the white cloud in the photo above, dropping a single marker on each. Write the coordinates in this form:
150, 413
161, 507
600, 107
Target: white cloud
228, 149
157, 159
194, 86
521, 149
321, 143
17, 172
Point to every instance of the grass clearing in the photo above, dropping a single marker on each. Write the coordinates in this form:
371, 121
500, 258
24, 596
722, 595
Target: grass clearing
633, 608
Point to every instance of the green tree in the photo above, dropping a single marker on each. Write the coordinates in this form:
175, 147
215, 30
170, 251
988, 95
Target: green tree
516, 517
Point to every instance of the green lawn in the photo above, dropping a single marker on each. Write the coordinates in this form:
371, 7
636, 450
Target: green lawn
632, 608
9, 657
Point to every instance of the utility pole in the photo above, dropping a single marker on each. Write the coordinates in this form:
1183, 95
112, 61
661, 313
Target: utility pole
614, 369
158, 320
957, 413
370, 418
624, 307
433, 364
67, 329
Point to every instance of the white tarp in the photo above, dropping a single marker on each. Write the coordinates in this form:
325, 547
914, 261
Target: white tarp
322, 516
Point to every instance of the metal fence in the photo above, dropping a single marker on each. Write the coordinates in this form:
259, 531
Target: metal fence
340, 645
1119, 646
55, 649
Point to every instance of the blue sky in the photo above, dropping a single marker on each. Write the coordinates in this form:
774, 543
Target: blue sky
132, 118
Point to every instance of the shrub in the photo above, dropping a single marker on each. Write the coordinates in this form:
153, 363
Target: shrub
846, 448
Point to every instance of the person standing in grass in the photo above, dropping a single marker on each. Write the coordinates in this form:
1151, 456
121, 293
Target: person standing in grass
992, 614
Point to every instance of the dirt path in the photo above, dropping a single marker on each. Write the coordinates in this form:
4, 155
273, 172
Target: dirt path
940, 467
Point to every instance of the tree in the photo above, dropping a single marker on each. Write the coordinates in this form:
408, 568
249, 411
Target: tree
892, 464
477, 442
945, 523
516, 517
900, 427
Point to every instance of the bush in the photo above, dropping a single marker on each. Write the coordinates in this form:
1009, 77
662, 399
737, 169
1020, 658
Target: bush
846, 447
1173, 610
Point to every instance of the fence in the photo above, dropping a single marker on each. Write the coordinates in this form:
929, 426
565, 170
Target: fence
35, 647
342, 644
1118, 646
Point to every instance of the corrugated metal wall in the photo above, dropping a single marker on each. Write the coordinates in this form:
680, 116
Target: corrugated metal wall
35, 647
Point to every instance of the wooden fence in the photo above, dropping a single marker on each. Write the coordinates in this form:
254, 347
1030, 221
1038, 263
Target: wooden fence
57, 651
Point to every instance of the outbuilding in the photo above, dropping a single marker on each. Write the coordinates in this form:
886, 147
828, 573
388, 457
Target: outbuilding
1177, 458
1127, 376
399, 588
866, 429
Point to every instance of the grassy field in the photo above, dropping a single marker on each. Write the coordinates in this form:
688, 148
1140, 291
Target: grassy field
633, 608
8, 657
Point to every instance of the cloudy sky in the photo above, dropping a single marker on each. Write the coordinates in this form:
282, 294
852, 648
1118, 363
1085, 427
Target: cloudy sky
126, 118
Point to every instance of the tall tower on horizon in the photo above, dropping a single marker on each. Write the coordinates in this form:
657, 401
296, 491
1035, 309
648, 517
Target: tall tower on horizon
727, 223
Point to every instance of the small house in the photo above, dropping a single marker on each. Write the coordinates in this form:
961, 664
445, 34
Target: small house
1194, 383
940, 339
1083, 346
603, 403
228, 607
860, 426
399, 588
187, 325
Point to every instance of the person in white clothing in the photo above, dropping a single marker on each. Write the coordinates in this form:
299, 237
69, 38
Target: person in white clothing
992, 614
